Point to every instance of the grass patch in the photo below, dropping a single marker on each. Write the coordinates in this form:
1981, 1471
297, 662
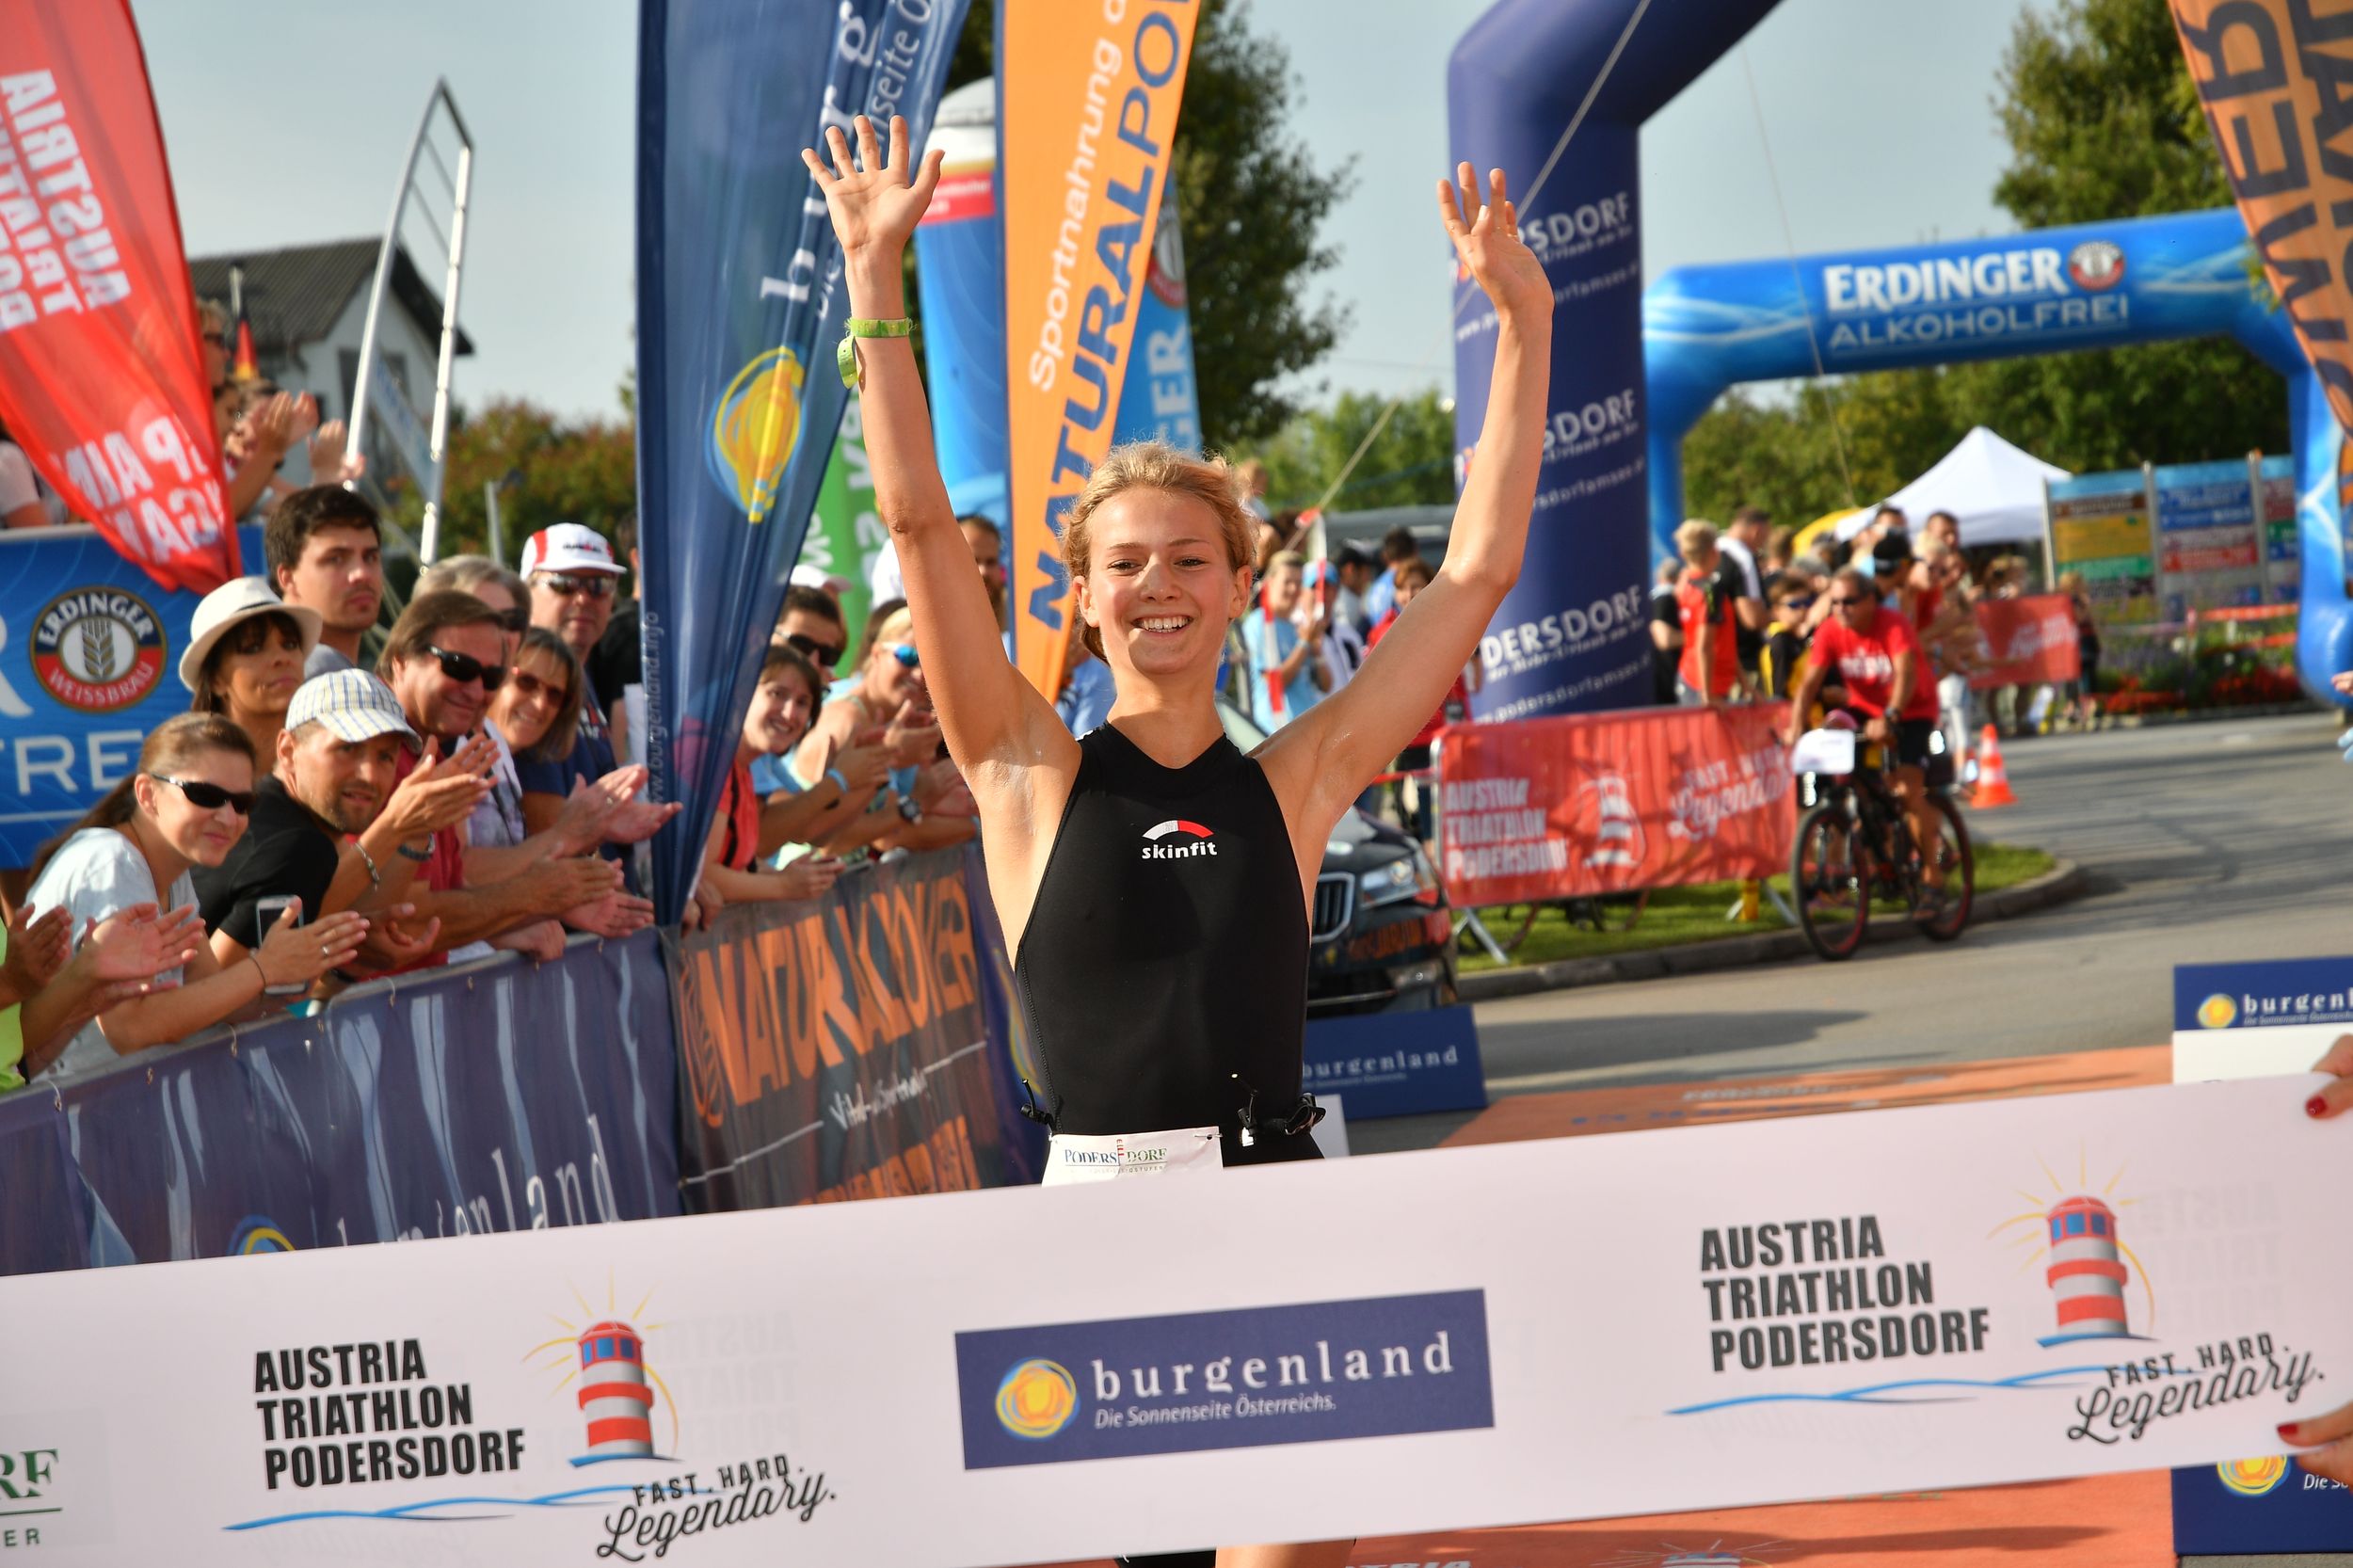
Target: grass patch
1675, 916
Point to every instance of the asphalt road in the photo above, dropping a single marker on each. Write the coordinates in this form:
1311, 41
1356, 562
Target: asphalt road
2206, 842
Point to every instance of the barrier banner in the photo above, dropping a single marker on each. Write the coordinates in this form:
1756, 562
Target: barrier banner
1398, 1063
1953, 1295
1085, 116
2260, 67
89, 663
1605, 803
102, 369
841, 1049
2028, 641
739, 309
501, 1097
2272, 1019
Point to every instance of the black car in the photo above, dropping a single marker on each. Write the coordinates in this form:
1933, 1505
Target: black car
1381, 937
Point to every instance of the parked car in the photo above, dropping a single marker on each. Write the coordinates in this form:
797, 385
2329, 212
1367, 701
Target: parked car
1381, 937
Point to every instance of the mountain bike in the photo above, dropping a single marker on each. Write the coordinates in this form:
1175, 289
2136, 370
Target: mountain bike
1854, 847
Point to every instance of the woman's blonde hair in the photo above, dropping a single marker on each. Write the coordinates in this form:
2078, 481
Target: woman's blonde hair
1158, 466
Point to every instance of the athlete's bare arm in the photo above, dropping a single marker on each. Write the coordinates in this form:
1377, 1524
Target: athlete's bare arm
1015, 753
1322, 761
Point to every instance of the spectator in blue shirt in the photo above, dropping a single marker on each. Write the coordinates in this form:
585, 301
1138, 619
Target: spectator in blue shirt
1286, 674
1398, 546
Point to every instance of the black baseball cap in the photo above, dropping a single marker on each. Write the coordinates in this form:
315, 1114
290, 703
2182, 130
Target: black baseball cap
1893, 549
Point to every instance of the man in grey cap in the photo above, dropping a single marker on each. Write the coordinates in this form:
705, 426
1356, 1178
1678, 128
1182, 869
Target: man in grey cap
334, 786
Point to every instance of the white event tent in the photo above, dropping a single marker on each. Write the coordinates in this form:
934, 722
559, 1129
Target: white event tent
1995, 488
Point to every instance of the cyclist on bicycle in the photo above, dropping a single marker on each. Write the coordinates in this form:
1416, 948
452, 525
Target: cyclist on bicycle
1876, 653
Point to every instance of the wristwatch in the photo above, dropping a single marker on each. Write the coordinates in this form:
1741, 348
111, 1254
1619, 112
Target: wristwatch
910, 809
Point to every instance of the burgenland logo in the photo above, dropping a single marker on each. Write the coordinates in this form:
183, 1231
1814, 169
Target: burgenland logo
1038, 1399
2252, 1478
755, 428
1195, 840
2218, 1012
1310, 1372
98, 649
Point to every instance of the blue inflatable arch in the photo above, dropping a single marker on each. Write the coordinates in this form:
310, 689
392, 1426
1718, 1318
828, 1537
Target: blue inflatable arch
2099, 285
1571, 636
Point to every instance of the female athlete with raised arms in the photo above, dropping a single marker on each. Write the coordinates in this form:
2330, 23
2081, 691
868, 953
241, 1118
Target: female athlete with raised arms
1153, 880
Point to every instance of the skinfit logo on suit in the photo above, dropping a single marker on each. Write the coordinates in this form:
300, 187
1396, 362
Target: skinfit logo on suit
1190, 839
1312, 1372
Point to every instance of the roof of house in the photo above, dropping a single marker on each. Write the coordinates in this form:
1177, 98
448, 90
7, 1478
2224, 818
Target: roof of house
292, 297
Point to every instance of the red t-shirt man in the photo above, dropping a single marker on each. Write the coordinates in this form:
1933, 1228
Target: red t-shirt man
1702, 601
444, 868
1864, 658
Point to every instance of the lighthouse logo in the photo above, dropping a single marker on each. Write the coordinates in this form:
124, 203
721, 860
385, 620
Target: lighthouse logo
608, 1375
2078, 1241
1617, 832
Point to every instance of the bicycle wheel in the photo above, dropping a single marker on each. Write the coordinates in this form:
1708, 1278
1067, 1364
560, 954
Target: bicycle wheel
1948, 879
1830, 882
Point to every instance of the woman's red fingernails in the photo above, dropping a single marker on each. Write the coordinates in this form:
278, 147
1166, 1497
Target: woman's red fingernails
2316, 1106
2287, 1431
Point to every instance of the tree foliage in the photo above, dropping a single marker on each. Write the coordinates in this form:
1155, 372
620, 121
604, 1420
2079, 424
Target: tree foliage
551, 471
1253, 201
1411, 462
2102, 122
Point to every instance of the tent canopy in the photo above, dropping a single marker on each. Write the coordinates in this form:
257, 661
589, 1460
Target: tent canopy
1994, 489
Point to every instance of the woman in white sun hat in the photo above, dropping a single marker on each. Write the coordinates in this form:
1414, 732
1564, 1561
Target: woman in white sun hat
245, 654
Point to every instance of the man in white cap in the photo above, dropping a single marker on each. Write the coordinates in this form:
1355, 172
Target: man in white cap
337, 779
573, 577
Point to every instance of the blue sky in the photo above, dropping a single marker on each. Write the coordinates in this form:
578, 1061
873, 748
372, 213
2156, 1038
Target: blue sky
285, 120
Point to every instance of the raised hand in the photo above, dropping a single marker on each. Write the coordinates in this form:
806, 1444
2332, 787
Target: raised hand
38, 946
291, 952
440, 792
138, 944
613, 916
1487, 242
396, 939
632, 821
579, 826
912, 737
873, 204
864, 764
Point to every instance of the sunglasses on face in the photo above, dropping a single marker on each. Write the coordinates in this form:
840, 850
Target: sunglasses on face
1838, 603
528, 685
209, 797
823, 656
217, 340
905, 655
463, 667
598, 586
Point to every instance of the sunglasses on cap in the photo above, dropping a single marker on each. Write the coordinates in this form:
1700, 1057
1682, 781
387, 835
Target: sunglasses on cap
463, 667
823, 655
209, 797
596, 584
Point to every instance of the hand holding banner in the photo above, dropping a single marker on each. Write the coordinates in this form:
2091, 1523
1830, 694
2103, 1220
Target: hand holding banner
101, 374
1086, 116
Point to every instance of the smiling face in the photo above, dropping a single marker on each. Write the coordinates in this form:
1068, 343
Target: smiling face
575, 605
201, 836
781, 711
532, 698
890, 680
437, 704
1158, 588
344, 781
256, 665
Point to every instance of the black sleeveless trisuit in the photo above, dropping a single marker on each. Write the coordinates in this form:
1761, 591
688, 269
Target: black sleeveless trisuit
1164, 972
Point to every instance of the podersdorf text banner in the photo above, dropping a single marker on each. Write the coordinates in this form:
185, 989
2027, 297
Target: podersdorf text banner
740, 305
1891, 1301
102, 372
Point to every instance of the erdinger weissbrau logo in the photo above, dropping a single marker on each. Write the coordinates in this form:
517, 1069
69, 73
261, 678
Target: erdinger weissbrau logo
1311, 1372
1190, 839
98, 649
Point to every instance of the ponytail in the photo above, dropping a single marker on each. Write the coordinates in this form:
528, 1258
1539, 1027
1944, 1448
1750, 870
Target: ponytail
170, 746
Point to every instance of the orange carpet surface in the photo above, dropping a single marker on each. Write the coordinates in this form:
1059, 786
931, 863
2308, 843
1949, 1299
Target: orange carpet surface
2108, 1522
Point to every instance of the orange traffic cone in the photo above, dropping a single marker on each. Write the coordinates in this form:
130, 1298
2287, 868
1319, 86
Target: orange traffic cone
1993, 778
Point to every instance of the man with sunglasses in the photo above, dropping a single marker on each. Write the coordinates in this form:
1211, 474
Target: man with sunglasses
573, 577
810, 625
1875, 652
445, 656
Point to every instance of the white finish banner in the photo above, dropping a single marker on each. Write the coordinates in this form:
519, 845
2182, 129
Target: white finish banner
1767, 1311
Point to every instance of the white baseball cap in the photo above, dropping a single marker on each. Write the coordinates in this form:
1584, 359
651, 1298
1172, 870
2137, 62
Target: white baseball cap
240, 599
807, 575
567, 547
354, 706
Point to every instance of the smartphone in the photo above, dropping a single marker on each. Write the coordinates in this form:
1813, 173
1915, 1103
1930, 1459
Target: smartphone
265, 914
